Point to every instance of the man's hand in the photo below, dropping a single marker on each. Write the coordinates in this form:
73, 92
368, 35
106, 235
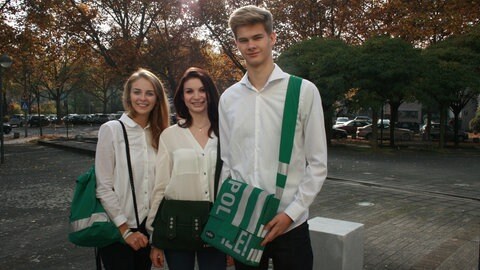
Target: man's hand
157, 257
277, 226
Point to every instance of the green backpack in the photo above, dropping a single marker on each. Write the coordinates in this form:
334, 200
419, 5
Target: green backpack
90, 224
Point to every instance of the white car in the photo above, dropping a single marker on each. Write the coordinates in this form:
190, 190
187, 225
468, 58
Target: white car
363, 118
341, 120
384, 121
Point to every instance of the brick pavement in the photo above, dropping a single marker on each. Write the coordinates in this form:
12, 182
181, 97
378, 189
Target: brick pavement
420, 215
404, 230
36, 187
426, 212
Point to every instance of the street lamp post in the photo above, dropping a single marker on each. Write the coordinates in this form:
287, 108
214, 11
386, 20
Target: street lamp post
5, 62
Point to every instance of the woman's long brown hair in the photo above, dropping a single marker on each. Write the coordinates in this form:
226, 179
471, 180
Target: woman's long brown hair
212, 99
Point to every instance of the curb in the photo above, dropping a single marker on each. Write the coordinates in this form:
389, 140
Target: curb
76, 146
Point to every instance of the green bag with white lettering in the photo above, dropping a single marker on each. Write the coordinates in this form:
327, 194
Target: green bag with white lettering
241, 211
90, 225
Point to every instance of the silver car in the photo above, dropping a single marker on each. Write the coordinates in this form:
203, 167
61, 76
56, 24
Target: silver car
401, 134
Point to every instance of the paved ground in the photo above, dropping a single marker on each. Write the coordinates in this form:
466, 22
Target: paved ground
426, 205
423, 213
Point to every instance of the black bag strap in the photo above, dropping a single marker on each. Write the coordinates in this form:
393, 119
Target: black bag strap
127, 147
218, 170
98, 259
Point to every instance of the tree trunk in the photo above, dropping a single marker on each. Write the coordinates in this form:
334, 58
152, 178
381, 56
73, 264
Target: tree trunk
443, 121
373, 138
456, 125
393, 119
58, 106
328, 114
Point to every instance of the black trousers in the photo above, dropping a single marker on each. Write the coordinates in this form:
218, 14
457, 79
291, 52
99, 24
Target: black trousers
290, 251
120, 256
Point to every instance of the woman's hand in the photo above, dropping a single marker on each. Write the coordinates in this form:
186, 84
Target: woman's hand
157, 257
137, 240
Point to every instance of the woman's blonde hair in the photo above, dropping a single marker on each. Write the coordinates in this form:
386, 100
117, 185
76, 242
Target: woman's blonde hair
159, 117
250, 15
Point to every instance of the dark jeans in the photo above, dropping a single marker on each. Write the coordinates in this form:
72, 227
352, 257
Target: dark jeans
290, 251
208, 259
120, 256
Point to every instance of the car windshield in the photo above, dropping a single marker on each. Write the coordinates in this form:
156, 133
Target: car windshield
341, 120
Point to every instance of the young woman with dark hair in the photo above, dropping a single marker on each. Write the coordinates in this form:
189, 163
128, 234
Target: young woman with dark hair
186, 164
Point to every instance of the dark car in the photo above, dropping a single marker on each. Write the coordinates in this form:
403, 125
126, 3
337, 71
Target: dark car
7, 128
16, 120
101, 118
339, 133
76, 119
449, 133
351, 126
415, 127
38, 120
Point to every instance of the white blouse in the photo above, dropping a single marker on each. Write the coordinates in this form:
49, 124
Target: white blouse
184, 170
113, 182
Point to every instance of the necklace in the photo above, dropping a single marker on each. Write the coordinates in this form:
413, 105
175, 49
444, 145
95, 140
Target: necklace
201, 128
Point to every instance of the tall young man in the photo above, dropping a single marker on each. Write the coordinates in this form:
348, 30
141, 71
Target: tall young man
250, 118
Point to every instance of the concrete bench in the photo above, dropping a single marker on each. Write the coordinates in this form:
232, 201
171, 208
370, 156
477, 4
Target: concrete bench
336, 244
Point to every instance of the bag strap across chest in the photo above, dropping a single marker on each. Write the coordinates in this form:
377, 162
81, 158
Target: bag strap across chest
130, 172
289, 121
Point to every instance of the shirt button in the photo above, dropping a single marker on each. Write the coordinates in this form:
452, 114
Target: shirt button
203, 154
204, 173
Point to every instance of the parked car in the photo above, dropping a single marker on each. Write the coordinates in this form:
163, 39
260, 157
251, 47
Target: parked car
38, 120
114, 116
53, 118
7, 128
101, 118
401, 134
351, 126
339, 133
71, 118
16, 120
383, 121
341, 120
415, 127
449, 133
363, 118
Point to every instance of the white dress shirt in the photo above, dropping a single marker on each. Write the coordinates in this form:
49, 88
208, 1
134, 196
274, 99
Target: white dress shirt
250, 130
113, 182
184, 170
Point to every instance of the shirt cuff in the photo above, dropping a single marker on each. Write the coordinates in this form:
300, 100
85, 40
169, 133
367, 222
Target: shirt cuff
294, 211
119, 220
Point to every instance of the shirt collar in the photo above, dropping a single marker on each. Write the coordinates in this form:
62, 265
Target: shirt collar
129, 121
277, 74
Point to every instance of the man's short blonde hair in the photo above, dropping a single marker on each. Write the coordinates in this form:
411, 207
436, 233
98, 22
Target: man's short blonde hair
250, 15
